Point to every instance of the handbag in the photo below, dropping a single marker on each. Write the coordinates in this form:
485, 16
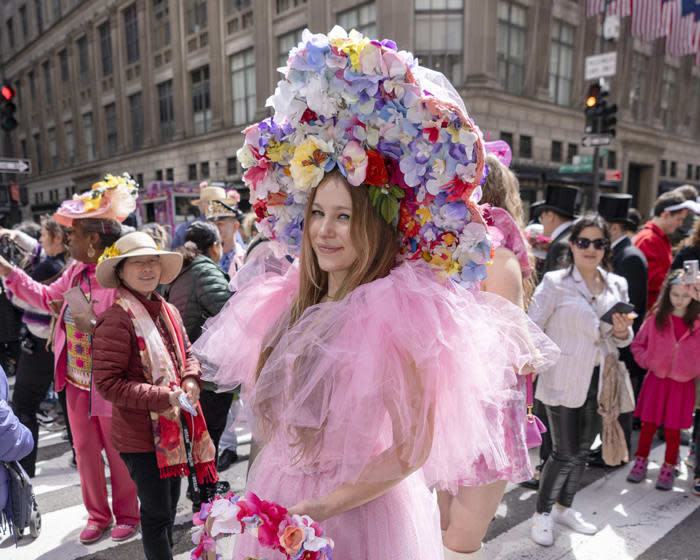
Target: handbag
534, 428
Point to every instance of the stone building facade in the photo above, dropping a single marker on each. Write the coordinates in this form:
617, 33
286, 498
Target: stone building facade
163, 88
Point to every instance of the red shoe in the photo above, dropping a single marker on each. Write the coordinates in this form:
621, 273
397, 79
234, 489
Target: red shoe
92, 533
123, 531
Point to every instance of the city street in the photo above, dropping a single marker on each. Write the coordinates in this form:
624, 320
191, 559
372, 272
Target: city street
637, 521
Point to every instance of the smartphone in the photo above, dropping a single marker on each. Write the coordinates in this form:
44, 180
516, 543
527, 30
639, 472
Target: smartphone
691, 272
76, 301
620, 307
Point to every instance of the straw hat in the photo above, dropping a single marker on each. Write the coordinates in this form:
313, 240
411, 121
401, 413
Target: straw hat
210, 193
137, 244
221, 209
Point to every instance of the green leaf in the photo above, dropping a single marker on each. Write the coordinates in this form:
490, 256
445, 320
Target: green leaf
374, 193
397, 191
394, 209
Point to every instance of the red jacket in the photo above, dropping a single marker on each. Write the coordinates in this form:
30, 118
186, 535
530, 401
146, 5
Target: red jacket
118, 376
656, 247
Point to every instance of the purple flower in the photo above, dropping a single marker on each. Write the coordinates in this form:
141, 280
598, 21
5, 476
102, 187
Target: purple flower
473, 273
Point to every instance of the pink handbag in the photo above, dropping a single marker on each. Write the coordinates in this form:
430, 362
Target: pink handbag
534, 428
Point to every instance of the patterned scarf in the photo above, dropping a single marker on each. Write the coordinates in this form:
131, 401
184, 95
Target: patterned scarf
159, 370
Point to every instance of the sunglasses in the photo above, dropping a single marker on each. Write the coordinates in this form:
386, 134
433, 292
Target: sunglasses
599, 244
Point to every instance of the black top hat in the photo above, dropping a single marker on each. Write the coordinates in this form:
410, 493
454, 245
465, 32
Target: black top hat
562, 199
615, 208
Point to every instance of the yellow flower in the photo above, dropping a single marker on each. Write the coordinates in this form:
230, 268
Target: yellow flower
448, 239
109, 252
279, 151
424, 215
92, 203
353, 48
307, 166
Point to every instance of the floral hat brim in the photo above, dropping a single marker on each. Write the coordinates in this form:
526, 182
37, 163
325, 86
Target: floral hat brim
386, 123
112, 198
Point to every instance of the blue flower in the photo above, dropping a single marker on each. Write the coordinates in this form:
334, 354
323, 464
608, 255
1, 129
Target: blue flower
473, 273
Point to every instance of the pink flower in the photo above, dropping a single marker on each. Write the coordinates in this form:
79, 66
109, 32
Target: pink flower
353, 160
291, 539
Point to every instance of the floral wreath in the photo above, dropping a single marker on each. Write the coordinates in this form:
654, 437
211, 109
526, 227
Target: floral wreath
385, 122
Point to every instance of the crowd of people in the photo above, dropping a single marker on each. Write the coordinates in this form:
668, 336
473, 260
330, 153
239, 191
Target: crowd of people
380, 328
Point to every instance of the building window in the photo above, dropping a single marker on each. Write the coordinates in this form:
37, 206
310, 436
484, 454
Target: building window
285, 43
159, 175
196, 16
525, 146
239, 14
201, 103
507, 137
572, 150
161, 24
363, 18
667, 90
136, 110
439, 31
511, 46
166, 111
139, 180
192, 172
561, 64
39, 16
63, 62
25, 22
204, 169
243, 86
10, 33
84, 63
612, 159
37, 148
673, 169
70, 142
32, 85
284, 5
169, 174
231, 166
53, 148
57, 10
89, 128
556, 151
697, 172
131, 30
689, 172
640, 63
662, 171
111, 128
46, 68
106, 48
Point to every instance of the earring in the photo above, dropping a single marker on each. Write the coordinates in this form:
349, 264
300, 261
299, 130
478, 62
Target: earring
91, 251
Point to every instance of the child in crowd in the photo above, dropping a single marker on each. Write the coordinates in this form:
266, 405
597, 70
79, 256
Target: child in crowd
668, 345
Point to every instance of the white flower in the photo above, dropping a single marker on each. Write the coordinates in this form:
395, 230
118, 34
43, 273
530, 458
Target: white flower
225, 522
245, 157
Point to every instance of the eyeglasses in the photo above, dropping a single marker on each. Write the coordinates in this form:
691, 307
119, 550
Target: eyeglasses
599, 244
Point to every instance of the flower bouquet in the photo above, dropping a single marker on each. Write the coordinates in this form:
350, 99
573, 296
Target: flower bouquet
298, 537
539, 243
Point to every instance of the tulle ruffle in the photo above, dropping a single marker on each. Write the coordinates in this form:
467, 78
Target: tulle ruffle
406, 371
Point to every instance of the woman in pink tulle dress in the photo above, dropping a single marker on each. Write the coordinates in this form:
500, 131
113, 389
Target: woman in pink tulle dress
372, 368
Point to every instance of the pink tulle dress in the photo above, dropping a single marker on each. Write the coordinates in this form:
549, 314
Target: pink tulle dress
407, 378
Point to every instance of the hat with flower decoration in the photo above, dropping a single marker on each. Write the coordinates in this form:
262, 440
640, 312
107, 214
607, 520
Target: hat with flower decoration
388, 125
112, 198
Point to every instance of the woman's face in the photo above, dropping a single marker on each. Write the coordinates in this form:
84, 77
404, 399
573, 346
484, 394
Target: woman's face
680, 298
592, 255
52, 245
80, 243
329, 227
141, 274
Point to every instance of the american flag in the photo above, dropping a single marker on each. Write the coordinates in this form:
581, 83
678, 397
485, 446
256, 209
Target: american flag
622, 8
648, 22
594, 7
681, 40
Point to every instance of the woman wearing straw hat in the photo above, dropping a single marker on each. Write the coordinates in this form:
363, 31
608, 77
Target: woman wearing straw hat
142, 365
94, 218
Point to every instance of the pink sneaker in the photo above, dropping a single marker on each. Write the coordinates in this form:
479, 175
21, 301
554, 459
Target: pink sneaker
123, 531
92, 533
666, 477
639, 470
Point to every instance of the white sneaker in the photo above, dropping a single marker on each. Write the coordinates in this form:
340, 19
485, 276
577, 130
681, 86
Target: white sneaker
574, 520
542, 530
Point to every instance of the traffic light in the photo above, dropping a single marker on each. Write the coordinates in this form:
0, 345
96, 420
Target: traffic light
608, 120
600, 117
8, 122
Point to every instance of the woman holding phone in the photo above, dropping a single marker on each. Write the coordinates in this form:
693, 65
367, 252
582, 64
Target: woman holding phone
567, 306
94, 218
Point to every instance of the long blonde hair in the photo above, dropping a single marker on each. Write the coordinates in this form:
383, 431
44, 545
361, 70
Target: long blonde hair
377, 244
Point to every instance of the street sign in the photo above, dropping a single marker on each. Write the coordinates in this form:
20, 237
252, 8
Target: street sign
572, 168
15, 166
613, 175
600, 66
582, 159
596, 140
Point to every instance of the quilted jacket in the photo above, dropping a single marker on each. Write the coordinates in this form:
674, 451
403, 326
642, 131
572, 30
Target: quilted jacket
199, 292
118, 376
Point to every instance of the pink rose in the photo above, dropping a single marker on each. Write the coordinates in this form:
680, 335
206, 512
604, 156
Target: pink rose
291, 539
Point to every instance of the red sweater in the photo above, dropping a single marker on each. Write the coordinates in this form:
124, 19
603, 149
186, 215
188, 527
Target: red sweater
656, 247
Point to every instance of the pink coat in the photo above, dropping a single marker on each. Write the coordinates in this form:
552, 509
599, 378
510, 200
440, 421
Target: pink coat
40, 295
660, 352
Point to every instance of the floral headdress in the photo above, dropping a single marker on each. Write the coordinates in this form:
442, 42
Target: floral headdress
385, 122
114, 197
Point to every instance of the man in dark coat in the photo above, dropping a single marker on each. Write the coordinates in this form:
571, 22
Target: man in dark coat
630, 263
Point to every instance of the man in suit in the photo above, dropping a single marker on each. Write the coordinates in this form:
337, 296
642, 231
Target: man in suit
630, 263
561, 205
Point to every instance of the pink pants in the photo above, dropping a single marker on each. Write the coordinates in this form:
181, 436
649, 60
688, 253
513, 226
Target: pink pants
90, 437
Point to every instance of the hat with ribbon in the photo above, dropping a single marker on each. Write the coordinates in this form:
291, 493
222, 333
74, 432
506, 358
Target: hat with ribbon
221, 209
112, 198
390, 126
136, 244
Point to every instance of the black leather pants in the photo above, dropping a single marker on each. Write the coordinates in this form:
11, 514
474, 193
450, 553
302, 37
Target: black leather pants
573, 431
